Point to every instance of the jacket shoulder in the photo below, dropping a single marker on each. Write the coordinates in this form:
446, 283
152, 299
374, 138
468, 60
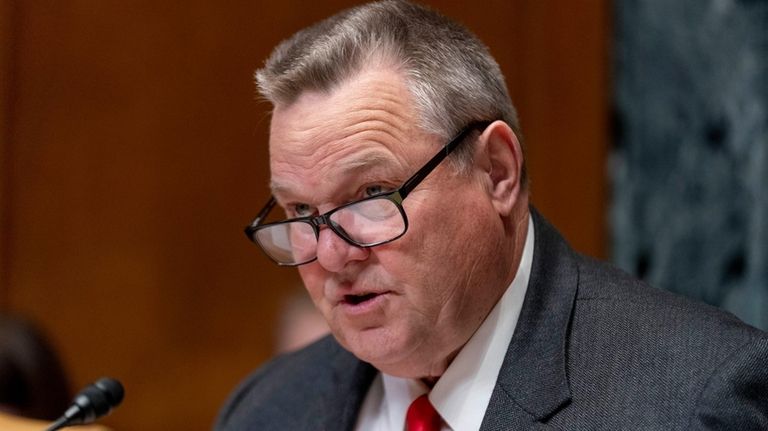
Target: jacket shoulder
662, 356
600, 282
272, 392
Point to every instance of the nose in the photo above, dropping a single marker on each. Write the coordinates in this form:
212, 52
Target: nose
333, 253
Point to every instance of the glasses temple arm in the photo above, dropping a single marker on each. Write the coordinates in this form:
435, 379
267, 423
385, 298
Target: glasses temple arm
264, 211
422, 173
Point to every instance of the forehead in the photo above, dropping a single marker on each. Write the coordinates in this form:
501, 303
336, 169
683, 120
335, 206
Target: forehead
368, 121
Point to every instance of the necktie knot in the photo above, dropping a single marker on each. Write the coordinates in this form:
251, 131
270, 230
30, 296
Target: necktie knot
422, 416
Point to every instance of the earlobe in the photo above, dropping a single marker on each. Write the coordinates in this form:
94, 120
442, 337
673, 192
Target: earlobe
503, 161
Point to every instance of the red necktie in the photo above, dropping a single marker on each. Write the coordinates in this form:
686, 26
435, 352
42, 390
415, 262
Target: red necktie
422, 416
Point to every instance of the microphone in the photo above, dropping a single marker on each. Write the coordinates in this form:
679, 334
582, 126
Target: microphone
91, 403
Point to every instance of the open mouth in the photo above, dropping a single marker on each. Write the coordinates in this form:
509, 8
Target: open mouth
359, 299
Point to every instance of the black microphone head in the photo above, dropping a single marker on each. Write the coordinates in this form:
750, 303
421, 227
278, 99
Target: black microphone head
112, 389
95, 401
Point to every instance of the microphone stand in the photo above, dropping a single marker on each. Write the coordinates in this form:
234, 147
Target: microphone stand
59, 424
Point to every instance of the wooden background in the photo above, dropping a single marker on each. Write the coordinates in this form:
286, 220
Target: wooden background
133, 152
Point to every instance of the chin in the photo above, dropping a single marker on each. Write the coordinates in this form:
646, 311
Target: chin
371, 345
389, 352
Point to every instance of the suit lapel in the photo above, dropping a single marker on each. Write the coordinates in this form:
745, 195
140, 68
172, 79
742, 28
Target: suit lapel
533, 383
351, 380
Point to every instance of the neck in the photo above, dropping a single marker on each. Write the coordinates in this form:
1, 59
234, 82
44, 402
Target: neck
430, 381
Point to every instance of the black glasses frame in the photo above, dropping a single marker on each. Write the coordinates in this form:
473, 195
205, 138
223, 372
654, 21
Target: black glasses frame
396, 197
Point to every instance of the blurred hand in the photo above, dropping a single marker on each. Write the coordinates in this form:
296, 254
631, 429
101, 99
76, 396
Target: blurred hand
15, 423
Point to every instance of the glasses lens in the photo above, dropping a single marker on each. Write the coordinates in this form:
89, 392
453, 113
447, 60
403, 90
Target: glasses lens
288, 243
370, 222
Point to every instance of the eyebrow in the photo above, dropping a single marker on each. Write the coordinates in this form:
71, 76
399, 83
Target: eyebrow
367, 161
364, 162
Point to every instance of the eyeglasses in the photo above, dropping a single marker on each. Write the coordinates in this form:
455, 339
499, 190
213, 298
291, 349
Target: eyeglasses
367, 222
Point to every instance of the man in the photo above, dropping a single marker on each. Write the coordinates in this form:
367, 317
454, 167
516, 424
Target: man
395, 155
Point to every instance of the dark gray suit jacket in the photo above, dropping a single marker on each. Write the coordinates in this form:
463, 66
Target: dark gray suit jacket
594, 349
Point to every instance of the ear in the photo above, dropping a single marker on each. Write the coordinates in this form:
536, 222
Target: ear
501, 159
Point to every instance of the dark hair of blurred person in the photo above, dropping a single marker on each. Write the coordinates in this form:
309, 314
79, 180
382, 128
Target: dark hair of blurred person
32, 379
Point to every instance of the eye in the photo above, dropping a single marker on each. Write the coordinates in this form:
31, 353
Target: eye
373, 190
300, 210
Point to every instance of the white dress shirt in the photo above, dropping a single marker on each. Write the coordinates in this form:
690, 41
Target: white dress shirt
462, 393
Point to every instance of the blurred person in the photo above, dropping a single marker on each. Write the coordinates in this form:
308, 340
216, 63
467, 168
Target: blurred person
396, 158
16, 423
34, 389
33, 383
299, 324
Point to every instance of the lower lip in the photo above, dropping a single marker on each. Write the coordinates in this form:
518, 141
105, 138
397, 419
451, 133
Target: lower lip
365, 307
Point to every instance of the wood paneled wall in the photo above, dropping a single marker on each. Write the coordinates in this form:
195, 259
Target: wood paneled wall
6, 50
134, 151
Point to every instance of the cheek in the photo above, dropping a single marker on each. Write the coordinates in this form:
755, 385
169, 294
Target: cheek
423, 264
446, 242
443, 229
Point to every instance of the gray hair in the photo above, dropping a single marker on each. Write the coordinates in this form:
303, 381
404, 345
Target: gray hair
450, 73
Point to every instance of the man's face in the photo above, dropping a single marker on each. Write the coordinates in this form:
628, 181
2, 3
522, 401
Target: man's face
407, 306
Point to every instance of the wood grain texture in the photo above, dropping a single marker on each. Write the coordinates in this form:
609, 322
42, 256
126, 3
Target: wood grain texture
139, 152
6, 104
